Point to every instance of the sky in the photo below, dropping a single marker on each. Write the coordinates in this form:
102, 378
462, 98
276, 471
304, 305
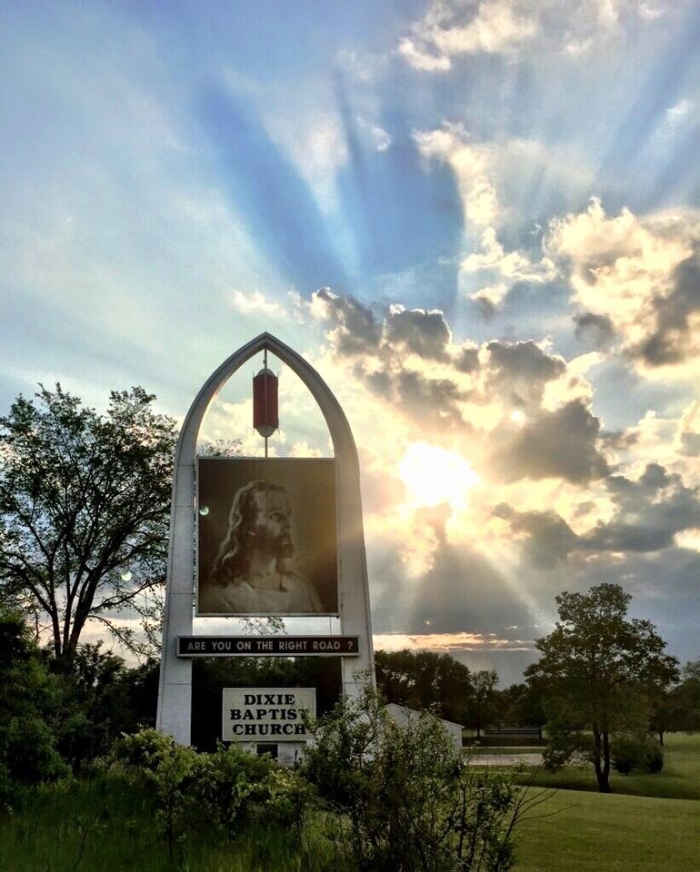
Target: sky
478, 220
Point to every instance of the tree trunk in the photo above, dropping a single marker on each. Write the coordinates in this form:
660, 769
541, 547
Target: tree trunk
601, 759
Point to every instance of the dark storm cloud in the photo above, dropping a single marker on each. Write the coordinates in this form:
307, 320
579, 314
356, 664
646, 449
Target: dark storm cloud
550, 539
690, 444
420, 332
356, 333
467, 360
673, 339
596, 328
428, 398
486, 307
524, 360
519, 371
357, 329
649, 512
416, 331
558, 444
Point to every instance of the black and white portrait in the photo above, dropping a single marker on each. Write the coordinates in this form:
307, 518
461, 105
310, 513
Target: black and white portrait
266, 537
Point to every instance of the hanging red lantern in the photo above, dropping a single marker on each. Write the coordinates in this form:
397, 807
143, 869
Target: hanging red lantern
265, 414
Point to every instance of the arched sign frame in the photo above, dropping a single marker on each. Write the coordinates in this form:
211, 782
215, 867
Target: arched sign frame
175, 684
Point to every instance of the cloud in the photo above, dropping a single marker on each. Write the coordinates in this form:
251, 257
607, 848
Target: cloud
357, 331
472, 167
636, 278
448, 30
549, 539
476, 167
598, 327
688, 433
558, 444
451, 29
489, 299
254, 302
522, 369
419, 332
513, 407
649, 514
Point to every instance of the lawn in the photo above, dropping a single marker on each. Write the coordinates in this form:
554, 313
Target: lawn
680, 778
589, 832
650, 823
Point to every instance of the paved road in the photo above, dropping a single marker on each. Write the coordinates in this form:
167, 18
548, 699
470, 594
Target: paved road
503, 759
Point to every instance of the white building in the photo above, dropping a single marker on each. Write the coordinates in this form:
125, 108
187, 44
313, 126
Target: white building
403, 715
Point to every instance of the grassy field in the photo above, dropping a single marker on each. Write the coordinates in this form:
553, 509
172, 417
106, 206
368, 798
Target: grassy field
589, 832
680, 778
107, 826
651, 823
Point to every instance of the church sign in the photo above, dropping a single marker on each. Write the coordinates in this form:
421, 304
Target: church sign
264, 536
267, 714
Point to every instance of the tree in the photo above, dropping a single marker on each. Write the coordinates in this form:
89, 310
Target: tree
84, 508
101, 700
599, 672
425, 680
679, 709
30, 695
519, 705
482, 709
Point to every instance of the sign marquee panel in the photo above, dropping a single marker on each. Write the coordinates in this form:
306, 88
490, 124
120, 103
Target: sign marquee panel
266, 537
266, 714
268, 646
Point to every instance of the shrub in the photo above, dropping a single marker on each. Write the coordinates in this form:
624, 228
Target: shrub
631, 752
29, 753
170, 770
229, 788
653, 756
410, 801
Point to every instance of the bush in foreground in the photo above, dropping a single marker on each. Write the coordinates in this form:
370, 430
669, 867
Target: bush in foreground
403, 798
228, 788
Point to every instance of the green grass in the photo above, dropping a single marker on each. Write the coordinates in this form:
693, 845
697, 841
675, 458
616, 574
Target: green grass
587, 832
105, 825
680, 778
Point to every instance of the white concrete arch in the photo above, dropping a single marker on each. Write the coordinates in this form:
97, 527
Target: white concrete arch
175, 685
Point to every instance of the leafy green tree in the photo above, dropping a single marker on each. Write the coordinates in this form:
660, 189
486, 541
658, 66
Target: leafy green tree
101, 700
598, 673
519, 705
29, 695
425, 680
683, 701
482, 709
84, 509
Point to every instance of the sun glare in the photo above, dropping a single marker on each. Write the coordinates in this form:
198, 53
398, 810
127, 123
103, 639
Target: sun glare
434, 475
